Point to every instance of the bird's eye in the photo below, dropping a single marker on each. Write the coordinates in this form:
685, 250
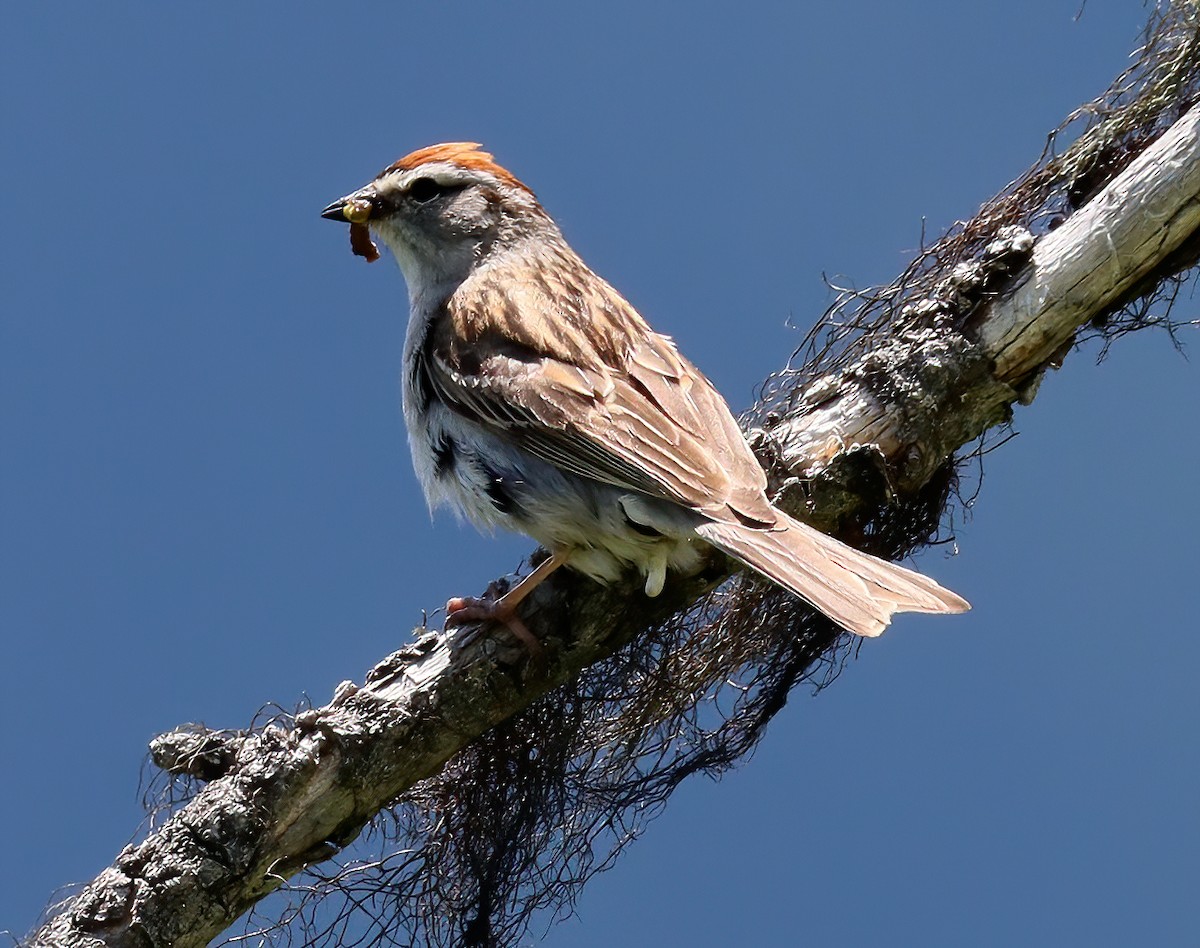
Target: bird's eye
424, 190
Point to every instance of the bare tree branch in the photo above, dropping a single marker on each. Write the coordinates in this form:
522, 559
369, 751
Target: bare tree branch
1087, 267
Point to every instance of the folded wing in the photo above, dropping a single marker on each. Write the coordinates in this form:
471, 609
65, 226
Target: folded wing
580, 381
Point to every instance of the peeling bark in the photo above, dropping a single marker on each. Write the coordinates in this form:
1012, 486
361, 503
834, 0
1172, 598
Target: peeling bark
919, 398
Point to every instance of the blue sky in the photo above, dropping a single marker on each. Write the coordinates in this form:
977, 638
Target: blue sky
206, 501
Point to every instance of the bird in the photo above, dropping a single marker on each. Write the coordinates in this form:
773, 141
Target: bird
539, 400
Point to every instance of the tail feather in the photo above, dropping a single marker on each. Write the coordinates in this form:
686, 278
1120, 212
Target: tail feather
858, 591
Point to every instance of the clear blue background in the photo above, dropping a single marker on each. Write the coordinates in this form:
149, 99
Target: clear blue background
207, 501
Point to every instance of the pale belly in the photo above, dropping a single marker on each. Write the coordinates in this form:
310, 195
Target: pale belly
603, 529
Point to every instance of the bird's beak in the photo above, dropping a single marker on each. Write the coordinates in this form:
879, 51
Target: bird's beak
354, 208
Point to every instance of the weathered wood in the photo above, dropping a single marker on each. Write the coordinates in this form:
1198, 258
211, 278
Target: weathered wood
285, 798
917, 399
1093, 260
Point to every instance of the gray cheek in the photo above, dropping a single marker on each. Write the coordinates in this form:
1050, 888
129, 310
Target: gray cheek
470, 214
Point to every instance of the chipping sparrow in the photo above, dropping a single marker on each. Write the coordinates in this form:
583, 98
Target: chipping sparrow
537, 399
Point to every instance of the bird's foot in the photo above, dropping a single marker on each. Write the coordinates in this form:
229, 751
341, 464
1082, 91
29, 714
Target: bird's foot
494, 608
463, 609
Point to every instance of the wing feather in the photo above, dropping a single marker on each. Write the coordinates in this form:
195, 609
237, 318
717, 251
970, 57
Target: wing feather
579, 380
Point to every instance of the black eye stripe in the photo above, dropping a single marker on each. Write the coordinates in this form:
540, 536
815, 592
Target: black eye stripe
424, 190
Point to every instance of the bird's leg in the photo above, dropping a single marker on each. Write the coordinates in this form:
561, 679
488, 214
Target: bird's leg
462, 609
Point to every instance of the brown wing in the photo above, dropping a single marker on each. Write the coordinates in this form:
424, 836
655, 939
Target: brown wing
579, 380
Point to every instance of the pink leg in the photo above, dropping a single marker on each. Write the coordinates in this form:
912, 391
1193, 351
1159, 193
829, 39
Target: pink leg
462, 609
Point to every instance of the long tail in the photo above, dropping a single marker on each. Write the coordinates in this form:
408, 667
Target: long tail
858, 591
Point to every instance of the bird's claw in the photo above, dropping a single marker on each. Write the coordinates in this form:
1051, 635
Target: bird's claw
463, 609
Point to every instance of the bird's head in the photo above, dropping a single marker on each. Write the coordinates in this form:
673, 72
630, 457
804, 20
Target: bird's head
441, 210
